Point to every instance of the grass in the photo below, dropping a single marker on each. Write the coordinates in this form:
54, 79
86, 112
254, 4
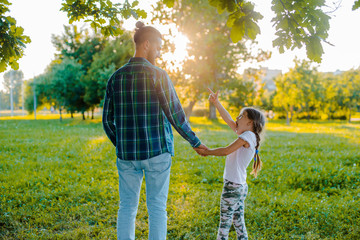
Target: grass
58, 180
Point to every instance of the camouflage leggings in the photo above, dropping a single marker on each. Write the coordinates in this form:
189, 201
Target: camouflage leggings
232, 210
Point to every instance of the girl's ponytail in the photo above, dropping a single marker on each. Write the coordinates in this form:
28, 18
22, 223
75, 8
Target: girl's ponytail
257, 161
258, 119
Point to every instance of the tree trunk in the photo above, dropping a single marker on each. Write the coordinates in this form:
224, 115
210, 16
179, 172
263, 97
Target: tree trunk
72, 115
83, 114
60, 114
291, 114
349, 115
189, 108
308, 112
212, 111
287, 118
92, 113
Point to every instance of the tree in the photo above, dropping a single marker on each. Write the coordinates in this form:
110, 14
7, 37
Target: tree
334, 99
241, 93
12, 39
14, 79
308, 85
300, 89
66, 88
60, 86
350, 85
103, 14
42, 88
79, 45
286, 94
4, 100
115, 54
213, 58
298, 23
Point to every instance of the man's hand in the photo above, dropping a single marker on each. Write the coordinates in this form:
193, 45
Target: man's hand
213, 97
203, 152
200, 149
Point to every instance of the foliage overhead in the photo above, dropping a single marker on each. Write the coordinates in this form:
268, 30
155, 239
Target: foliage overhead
213, 58
356, 5
102, 14
12, 39
298, 22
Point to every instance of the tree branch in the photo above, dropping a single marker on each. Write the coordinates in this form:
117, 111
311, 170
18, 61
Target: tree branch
306, 33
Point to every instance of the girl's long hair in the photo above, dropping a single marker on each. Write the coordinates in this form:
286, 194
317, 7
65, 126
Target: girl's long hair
258, 119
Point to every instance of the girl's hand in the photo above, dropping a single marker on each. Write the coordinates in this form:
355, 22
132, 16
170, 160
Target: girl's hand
203, 152
213, 97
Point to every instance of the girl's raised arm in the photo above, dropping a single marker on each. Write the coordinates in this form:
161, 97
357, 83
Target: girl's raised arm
213, 98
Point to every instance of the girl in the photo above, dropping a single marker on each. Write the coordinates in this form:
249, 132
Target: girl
248, 125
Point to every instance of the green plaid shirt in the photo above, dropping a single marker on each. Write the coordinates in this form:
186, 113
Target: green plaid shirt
140, 106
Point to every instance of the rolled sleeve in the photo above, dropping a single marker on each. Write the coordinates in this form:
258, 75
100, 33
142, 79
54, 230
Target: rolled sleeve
108, 119
173, 110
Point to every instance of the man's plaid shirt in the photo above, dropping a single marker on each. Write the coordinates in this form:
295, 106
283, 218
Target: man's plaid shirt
140, 106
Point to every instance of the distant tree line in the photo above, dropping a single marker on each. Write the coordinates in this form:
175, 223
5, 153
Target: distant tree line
76, 80
307, 93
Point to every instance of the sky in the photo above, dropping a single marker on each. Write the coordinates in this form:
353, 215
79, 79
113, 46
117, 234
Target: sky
43, 18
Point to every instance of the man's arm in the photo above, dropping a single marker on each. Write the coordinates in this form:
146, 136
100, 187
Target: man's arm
108, 114
173, 110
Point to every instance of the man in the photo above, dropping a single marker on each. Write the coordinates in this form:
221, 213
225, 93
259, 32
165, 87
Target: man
140, 106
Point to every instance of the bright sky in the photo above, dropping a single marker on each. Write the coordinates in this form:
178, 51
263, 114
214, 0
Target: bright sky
42, 18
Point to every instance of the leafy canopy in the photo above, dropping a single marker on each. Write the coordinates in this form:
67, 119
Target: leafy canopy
12, 39
298, 23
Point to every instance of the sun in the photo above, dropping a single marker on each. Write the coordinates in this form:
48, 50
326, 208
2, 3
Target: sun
180, 54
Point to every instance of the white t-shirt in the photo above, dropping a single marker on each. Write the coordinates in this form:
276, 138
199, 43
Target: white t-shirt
238, 161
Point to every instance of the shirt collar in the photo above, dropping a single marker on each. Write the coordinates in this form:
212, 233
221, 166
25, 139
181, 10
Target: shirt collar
138, 60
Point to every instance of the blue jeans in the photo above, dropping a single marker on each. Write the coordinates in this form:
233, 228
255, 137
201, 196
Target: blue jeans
157, 177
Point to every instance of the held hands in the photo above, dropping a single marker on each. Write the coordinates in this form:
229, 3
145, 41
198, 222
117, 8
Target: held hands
201, 150
213, 97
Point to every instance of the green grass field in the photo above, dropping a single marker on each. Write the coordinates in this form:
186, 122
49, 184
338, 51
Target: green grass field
59, 181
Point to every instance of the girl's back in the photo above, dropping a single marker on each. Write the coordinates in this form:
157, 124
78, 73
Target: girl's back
238, 161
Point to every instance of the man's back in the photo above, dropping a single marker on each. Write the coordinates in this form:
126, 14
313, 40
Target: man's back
140, 101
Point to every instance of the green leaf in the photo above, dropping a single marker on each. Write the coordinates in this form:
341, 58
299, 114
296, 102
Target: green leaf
216, 3
169, 3
134, 4
231, 19
314, 49
251, 29
109, 3
237, 31
11, 20
356, 5
134, 14
142, 13
2, 66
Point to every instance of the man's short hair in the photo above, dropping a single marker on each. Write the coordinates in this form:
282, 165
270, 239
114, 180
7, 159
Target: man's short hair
143, 33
